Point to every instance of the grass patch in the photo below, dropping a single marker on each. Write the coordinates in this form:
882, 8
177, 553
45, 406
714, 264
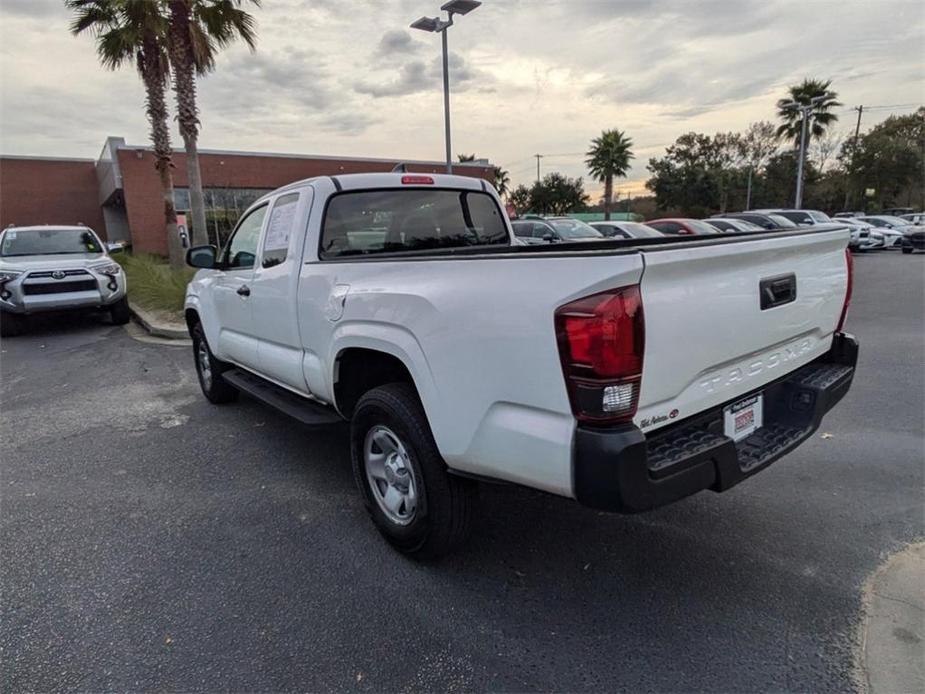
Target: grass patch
153, 284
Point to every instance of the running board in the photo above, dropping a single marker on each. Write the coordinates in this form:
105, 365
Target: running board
305, 410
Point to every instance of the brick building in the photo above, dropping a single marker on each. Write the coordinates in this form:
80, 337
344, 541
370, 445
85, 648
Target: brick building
119, 195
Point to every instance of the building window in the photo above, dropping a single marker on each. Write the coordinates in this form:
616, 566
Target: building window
224, 207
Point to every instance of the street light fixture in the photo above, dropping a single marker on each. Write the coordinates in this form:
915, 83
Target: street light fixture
804, 110
437, 25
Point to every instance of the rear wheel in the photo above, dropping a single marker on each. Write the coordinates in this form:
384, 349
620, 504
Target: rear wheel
11, 324
119, 312
209, 370
415, 503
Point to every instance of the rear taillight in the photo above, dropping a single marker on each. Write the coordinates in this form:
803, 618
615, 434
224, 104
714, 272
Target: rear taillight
601, 343
849, 262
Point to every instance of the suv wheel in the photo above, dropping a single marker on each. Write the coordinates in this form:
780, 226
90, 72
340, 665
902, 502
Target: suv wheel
11, 324
209, 370
119, 312
415, 503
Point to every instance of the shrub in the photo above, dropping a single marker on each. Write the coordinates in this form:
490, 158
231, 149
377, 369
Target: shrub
152, 283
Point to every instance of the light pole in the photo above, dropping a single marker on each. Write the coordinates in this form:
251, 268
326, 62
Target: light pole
435, 24
804, 110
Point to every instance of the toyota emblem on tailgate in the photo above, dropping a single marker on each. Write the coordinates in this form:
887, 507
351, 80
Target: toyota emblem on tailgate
58, 274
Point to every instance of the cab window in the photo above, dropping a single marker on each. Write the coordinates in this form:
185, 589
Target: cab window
241, 250
279, 230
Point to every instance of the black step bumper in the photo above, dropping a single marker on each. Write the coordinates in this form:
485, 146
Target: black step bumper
626, 471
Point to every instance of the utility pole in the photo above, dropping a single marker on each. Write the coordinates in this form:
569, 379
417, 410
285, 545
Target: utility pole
538, 157
857, 134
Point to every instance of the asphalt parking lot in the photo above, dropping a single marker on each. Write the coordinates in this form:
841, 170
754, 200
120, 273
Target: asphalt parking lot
153, 541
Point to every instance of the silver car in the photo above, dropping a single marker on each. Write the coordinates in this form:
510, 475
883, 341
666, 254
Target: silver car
53, 268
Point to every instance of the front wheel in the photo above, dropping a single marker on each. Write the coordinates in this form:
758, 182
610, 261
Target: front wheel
209, 370
11, 324
415, 503
119, 312
907, 250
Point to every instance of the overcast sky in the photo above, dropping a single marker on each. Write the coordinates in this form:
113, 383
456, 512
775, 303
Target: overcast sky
527, 76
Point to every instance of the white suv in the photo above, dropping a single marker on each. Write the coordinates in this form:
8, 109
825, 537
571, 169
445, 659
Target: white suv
52, 268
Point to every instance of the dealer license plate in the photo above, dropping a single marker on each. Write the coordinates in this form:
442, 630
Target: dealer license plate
742, 418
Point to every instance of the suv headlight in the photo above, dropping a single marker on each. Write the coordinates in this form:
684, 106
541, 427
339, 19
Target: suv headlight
7, 275
111, 269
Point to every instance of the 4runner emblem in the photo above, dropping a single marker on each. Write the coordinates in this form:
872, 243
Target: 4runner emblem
58, 274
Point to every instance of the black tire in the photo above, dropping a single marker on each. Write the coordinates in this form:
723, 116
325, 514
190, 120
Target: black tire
11, 324
907, 250
442, 519
216, 389
119, 312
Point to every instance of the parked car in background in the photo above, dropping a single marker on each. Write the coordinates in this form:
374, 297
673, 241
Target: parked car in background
770, 222
625, 230
803, 218
864, 236
536, 230
891, 227
914, 240
897, 211
843, 215
682, 226
916, 218
57, 268
728, 225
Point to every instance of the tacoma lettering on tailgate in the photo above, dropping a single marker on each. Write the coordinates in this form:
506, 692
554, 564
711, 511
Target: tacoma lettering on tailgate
727, 377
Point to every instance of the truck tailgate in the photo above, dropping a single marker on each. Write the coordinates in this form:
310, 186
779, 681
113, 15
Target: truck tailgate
710, 340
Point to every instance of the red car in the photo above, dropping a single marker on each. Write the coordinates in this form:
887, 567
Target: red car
680, 226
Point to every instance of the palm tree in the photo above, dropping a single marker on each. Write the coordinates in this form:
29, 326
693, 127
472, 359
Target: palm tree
502, 181
609, 158
820, 116
134, 32
198, 29
465, 157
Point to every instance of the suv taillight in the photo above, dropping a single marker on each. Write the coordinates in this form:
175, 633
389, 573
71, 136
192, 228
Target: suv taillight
601, 343
849, 261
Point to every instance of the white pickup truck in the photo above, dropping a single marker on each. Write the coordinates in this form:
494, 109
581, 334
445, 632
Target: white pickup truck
625, 374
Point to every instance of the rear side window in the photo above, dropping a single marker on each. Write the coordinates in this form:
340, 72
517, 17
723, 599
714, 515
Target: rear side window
523, 229
279, 229
667, 227
391, 221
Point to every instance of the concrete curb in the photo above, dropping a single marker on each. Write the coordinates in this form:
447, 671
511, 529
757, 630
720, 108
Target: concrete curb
894, 630
158, 328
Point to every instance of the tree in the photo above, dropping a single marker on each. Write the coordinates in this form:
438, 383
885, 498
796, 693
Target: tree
198, 29
759, 142
890, 158
820, 116
558, 194
609, 158
134, 32
502, 181
685, 178
463, 158
521, 198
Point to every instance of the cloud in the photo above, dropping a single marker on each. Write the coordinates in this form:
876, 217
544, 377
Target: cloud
397, 42
418, 76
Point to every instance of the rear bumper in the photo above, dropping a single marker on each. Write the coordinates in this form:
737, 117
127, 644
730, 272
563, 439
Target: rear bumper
623, 470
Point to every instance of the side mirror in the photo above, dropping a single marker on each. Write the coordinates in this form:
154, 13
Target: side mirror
548, 238
115, 247
201, 257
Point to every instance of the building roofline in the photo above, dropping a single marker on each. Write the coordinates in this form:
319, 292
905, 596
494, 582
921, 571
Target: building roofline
27, 157
327, 157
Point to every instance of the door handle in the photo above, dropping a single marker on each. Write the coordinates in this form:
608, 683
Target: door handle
244, 290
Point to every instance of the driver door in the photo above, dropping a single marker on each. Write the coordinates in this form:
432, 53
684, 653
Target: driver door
237, 340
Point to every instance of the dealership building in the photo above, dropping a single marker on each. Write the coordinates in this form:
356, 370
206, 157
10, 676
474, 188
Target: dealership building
119, 194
